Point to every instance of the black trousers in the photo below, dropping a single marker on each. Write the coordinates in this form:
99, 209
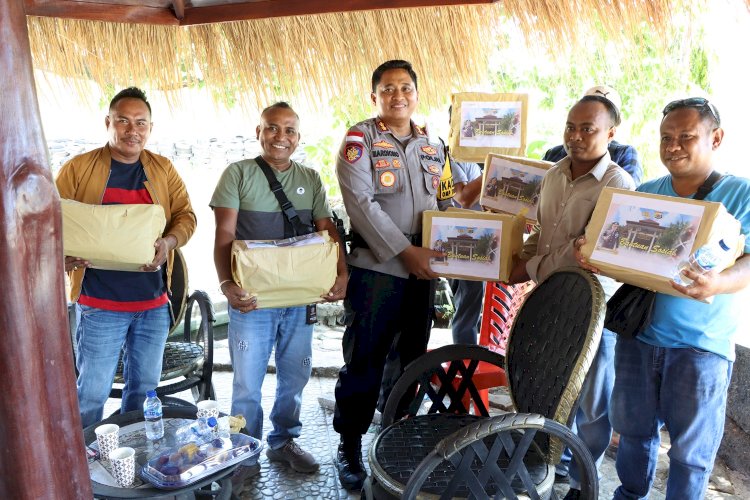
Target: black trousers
379, 309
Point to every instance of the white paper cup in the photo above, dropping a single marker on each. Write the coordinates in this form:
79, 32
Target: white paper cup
208, 409
108, 438
123, 465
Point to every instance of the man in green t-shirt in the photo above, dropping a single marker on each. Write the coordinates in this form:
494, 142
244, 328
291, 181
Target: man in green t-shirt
245, 208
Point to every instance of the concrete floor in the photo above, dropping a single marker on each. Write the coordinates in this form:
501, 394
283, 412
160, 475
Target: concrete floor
278, 482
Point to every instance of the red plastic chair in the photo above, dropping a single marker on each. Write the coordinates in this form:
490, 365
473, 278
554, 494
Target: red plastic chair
501, 303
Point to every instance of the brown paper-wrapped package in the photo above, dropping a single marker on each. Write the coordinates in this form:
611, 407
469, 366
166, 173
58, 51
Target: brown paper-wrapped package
285, 276
114, 237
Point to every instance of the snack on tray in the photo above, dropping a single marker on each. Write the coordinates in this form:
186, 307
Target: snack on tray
187, 464
236, 423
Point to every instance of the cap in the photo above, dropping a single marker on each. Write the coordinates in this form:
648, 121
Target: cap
151, 393
606, 92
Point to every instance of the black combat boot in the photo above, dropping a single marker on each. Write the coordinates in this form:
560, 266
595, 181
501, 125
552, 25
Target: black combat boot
352, 472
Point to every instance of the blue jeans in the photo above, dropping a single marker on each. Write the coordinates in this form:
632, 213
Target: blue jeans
591, 422
100, 337
468, 302
682, 388
252, 337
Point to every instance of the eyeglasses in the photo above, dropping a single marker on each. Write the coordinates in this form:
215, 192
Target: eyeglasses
693, 102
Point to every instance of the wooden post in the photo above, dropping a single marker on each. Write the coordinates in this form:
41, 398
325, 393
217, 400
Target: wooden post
41, 441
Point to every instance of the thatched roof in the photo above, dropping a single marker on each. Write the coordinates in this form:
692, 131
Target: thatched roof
322, 56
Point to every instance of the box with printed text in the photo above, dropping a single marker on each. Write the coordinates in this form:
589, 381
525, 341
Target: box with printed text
643, 238
512, 184
478, 246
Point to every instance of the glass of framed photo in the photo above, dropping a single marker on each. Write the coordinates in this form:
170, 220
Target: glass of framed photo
512, 184
483, 123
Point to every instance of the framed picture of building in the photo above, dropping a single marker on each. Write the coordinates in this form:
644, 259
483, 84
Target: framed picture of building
477, 246
483, 123
512, 184
642, 238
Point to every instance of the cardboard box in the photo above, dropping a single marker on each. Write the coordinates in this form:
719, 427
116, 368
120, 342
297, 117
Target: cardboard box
511, 184
642, 238
483, 123
286, 273
113, 237
479, 245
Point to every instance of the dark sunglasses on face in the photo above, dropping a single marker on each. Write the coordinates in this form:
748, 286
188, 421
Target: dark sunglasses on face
693, 102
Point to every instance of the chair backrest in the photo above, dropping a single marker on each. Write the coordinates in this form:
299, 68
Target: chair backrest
552, 343
437, 381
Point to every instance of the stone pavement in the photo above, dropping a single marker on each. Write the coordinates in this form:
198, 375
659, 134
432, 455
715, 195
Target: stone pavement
278, 482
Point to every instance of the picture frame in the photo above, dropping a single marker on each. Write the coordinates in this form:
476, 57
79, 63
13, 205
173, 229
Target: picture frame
643, 238
483, 123
511, 184
479, 246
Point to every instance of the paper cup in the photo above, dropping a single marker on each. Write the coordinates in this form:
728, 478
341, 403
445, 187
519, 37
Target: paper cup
208, 409
108, 438
123, 465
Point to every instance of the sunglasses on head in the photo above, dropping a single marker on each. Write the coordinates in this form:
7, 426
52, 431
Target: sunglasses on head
693, 102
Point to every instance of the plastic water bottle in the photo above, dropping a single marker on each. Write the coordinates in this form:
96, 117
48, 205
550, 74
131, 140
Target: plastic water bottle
713, 255
152, 414
199, 431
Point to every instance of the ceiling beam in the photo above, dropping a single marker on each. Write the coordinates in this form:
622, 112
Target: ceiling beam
93, 11
282, 8
181, 14
179, 9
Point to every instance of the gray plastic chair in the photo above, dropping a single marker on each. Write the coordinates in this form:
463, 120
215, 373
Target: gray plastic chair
450, 454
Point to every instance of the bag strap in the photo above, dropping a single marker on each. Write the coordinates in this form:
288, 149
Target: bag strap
293, 225
707, 185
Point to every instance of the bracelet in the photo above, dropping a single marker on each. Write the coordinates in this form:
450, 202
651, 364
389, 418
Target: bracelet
221, 285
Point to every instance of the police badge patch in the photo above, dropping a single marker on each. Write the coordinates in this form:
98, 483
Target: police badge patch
387, 179
352, 152
430, 150
383, 144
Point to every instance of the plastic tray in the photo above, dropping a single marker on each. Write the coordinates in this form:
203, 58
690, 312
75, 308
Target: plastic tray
189, 463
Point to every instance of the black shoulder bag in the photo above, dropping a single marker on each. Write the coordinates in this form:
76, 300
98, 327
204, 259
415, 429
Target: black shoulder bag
630, 309
293, 225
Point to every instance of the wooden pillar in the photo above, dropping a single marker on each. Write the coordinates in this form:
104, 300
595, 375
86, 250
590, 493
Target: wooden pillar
41, 441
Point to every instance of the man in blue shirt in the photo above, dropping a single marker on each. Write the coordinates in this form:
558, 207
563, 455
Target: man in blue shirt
624, 155
677, 371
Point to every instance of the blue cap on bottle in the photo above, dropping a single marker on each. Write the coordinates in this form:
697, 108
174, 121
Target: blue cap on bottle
723, 245
151, 394
211, 421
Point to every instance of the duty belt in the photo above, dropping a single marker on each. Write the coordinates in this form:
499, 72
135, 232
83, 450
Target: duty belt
359, 242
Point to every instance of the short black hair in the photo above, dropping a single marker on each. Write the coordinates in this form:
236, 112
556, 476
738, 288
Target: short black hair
279, 105
614, 113
130, 93
377, 75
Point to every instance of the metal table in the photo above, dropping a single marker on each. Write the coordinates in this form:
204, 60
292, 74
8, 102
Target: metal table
217, 486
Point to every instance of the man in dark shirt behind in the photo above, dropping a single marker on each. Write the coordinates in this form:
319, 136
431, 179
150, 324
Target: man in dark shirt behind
120, 308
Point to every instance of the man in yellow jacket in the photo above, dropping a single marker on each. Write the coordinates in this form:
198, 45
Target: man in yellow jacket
120, 308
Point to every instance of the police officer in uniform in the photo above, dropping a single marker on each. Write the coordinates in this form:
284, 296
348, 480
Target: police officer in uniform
389, 173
